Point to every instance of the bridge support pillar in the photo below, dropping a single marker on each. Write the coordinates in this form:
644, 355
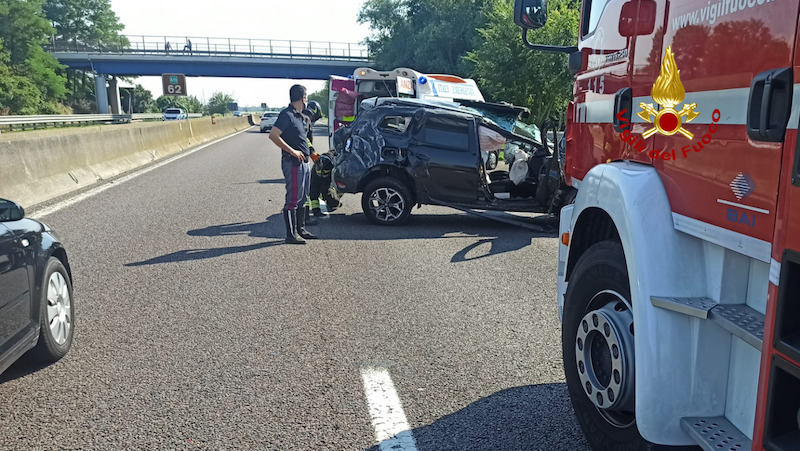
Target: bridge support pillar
113, 96
101, 94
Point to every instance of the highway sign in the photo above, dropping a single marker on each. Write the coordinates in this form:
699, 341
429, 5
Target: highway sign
174, 84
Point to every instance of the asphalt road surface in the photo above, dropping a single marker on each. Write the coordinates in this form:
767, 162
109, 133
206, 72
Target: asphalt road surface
196, 327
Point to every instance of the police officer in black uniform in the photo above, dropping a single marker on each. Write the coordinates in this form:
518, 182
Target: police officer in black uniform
290, 134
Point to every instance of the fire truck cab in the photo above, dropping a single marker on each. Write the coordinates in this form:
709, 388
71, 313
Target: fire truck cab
679, 262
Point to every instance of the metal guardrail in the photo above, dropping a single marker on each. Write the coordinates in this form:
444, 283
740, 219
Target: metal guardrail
46, 119
206, 46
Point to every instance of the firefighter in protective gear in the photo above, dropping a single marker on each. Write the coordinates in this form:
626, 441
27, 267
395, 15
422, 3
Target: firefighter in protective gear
313, 112
321, 185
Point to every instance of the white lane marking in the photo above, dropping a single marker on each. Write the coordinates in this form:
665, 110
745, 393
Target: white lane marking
94, 191
747, 207
388, 419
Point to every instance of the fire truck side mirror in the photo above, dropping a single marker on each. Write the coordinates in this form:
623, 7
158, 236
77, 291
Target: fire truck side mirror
637, 18
530, 14
575, 63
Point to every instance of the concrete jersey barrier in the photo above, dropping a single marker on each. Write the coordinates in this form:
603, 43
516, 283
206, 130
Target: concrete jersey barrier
39, 166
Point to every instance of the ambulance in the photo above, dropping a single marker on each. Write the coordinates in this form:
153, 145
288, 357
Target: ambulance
679, 261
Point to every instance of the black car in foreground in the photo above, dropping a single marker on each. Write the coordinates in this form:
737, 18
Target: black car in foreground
36, 300
403, 152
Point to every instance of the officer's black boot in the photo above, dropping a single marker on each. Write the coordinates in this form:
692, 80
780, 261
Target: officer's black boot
290, 219
301, 225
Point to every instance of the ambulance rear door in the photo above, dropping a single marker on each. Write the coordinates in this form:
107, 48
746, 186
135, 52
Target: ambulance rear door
335, 120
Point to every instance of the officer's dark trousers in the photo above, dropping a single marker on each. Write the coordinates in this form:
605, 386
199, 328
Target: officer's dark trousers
298, 180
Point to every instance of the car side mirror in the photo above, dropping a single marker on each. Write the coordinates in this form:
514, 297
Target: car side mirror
10, 211
637, 18
530, 14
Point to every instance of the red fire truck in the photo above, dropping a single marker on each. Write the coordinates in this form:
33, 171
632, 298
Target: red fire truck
679, 262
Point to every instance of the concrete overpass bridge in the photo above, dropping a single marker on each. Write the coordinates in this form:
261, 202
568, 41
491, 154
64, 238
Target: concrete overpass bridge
206, 57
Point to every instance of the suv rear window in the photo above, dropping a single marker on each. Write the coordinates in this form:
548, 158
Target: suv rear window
270, 115
446, 132
395, 124
173, 111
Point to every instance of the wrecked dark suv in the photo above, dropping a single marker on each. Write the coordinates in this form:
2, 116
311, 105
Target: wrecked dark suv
404, 152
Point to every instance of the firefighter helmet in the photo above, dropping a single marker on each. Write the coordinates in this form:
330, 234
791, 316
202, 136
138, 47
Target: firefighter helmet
313, 111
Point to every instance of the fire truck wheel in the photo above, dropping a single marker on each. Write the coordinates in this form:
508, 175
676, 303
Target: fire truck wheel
597, 346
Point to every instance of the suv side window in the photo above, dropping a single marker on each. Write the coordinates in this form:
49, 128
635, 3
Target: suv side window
592, 11
395, 124
446, 132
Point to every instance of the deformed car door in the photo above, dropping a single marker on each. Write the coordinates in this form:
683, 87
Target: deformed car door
15, 294
446, 161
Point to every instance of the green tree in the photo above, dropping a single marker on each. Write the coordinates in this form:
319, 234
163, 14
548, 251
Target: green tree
189, 104
30, 79
218, 103
506, 70
83, 24
428, 36
321, 97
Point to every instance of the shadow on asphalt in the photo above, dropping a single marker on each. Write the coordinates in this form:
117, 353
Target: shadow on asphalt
21, 368
200, 254
532, 417
497, 237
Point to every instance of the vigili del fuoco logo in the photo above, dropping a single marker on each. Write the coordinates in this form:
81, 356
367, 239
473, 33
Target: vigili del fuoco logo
667, 92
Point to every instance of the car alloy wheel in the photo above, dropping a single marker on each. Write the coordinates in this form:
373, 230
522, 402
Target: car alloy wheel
59, 308
56, 313
387, 201
387, 204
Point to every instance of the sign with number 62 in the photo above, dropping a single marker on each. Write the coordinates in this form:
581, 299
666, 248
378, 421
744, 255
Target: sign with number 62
174, 84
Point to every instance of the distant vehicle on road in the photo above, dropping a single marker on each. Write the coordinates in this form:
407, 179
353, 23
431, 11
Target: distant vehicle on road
237, 113
268, 120
35, 290
172, 114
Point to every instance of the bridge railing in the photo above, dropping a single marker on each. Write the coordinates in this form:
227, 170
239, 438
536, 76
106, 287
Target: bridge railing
219, 47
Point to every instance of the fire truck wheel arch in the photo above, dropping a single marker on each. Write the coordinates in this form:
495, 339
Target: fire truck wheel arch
667, 346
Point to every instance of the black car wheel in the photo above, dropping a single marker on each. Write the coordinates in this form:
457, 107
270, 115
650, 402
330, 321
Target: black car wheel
386, 201
57, 316
597, 346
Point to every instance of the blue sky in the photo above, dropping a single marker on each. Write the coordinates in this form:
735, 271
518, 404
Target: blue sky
301, 20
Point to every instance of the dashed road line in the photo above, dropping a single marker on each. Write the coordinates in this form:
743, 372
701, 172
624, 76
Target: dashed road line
388, 419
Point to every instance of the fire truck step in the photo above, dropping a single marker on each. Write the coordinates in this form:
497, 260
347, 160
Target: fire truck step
715, 433
697, 307
738, 319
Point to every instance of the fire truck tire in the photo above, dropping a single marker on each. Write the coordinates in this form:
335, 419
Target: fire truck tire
600, 279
